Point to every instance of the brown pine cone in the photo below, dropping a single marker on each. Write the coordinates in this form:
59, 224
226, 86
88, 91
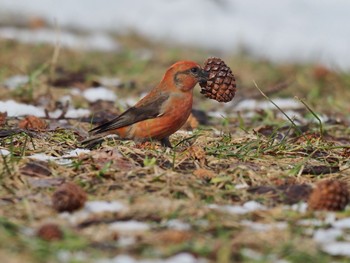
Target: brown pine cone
331, 195
68, 197
50, 232
221, 84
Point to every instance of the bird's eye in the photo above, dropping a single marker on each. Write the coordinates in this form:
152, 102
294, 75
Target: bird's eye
194, 70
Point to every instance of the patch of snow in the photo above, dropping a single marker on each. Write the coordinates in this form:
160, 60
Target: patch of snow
129, 226
272, 29
69, 256
75, 91
99, 93
91, 208
71, 113
247, 207
253, 205
125, 241
283, 103
342, 223
4, 152
76, 152
327, 235
337, 248
65, 99
252, 254
178, 224
110, 81
299, 207
179, 258
15, 109
16, 81
103, 206
62, 160
217, 114
264, 227
42, 157
241, 186
93, 41
291, 114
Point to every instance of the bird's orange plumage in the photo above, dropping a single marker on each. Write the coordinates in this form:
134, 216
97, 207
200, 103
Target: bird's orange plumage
163, 111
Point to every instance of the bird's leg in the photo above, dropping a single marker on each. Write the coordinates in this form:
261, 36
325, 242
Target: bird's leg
165, 142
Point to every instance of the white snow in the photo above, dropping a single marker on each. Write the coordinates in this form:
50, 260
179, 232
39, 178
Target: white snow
295, 30
179, 258
103, 206
337, 248
62, 160
178, 224
76, 152
342, 223
72, 256
299, 207
110, 81
327, 235
129, 226
99, 93
328, 238
15, 109
92, 208
4, 152
71, 113
283, 103
16, 81
241, 186
256, 226
94, 41
125, 241
42, 157
247, 207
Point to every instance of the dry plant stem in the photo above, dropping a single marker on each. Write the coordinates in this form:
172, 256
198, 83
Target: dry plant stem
313, 113
55, 54
266, 97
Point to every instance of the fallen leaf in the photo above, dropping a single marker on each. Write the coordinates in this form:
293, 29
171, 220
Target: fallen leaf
204, 174
32, 123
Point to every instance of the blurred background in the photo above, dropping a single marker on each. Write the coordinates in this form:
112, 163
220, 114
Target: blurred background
280, 31
62, 50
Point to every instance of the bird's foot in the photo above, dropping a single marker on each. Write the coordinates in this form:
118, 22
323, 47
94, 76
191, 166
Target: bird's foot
165, 142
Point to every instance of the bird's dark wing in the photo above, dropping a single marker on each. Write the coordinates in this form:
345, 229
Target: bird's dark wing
148, 110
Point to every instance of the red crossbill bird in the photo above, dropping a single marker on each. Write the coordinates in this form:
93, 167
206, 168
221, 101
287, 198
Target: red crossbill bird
161, 112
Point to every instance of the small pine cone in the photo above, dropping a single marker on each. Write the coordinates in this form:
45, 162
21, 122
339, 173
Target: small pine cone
68, 197
221, 84
50, 232
331, 195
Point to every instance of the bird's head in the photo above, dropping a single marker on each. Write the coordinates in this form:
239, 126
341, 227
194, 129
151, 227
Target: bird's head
186, 74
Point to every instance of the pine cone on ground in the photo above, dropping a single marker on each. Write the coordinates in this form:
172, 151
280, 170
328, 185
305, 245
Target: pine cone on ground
50, 232
221, 84
68, 197
331, 195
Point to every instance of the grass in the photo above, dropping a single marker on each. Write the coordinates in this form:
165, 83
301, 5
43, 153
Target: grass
160, 184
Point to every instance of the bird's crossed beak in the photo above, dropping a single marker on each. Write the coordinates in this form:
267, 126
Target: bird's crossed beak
203, 76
